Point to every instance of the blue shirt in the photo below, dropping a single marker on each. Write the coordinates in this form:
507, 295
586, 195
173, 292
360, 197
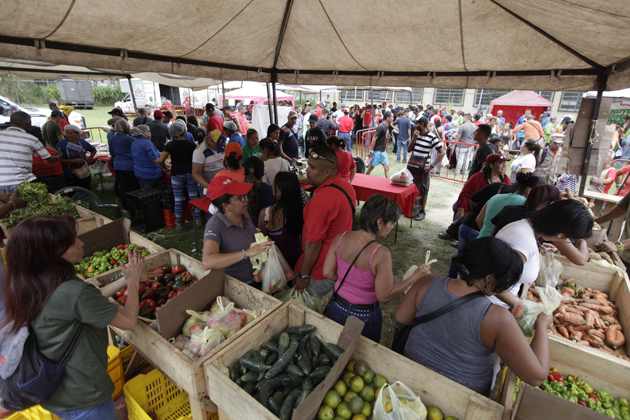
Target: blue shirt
190, 137
289, 142
72, 151
237, 138
144, 153
120, 146
403, 124
545, 121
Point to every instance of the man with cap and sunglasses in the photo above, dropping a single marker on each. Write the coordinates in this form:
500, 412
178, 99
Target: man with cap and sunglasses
159, 131
330, 211
288, 141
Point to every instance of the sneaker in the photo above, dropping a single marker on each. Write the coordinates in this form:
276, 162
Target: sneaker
445, 236
199, 223
420, 216
404, 161
179, 227
455, 244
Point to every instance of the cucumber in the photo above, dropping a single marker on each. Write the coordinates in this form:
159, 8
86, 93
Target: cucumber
320, 372
275, 402
315, 362
260, 384
307, 388
261, 376
251, 354
256, 356
232, 373
279, 397
271, 359
316, 346
323, 359
267, 388
242, 369
255, 365
288, 404
249, 388
332, 351
303, 361
300, 330
283, 343
239, 381
283, 361
271, 347
250, 377
293, 381
294, 370
263, 353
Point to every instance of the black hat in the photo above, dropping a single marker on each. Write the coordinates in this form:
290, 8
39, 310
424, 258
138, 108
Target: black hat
116, 111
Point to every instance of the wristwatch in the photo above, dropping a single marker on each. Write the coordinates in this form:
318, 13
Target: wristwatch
306, 277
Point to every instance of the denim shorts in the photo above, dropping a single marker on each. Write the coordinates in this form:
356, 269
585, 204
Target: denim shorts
104, 411
373, 318
378, 158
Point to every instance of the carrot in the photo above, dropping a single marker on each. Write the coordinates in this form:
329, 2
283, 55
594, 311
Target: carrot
609, 320
556, 321
614, 337
576, 335
570, 280
567, 291
590, 301
562, 330
553, 330
597, 333
534, 292
561, 309
572, 318
624, 357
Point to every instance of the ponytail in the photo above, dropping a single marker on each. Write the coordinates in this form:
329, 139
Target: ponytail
254, 170
334, 140
535, 148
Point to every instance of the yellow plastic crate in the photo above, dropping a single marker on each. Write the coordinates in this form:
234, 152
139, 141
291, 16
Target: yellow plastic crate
153, 393
33, 413
115, 369
125, 356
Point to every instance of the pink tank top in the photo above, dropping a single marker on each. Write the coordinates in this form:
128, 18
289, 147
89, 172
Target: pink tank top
358, 288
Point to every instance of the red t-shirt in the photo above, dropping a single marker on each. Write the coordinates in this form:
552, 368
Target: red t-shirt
345, 124
345, 163
367, 119
243, 119
626, 187
610, 174
319, 112
474, 184
327, 214
214, 123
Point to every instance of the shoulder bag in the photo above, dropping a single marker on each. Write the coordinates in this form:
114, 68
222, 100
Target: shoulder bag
36, 376
401, 333
334, 292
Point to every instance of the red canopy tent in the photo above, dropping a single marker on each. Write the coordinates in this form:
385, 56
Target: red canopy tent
515, 103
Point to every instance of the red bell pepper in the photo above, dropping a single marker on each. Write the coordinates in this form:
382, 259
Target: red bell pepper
113, 262
161, 302
172, 294
148, 305
122, 300
181, 290
556, 377
120, 246
121, 292
156, 286
147, 294
194, 281
177, 268
185, 276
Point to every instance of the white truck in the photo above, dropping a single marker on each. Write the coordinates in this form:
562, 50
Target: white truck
143, 90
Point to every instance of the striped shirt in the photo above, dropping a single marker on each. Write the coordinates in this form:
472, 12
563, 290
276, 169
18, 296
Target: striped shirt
424, 144
16, 156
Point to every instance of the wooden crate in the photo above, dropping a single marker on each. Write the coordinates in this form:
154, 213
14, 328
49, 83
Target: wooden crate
434, 389
183, 371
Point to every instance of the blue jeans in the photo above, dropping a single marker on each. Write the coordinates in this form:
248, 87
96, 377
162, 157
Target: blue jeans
402, 144
181, 184
347, 137
105, 411
337, 312
147, 182
466, 235
8, 189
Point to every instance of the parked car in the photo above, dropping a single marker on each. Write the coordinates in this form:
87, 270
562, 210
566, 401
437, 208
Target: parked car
38, 116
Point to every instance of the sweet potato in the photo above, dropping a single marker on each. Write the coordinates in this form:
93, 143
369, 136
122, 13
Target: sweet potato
584, 343
589, 318
572, 318
614, 337
568, 300
576, 335
598, 307
563, 331
592, 340
574, 310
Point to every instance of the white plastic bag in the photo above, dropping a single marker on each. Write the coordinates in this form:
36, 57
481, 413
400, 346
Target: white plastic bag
308, 298
204, 341
405, 405
276, 272
402, 178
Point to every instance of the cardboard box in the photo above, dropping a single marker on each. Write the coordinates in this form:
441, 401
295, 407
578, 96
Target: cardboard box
182, 370
235, 404
579, 135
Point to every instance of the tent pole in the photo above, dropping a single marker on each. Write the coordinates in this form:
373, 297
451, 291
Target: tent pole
372, 98
223, 91
133, 97
269, 104
275, 101
602, 80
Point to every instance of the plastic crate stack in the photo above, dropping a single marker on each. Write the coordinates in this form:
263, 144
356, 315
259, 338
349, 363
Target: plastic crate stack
170, 220
145, 209
166, 194
48, 173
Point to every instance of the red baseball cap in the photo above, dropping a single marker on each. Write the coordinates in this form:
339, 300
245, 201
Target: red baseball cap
221, 185
496, 157
158, 114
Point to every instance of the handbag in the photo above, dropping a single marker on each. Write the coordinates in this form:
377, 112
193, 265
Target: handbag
82, 172
36, 377
334, 292
453, 229
401, 332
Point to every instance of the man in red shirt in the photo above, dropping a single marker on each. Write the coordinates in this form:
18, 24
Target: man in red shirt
367, 116
345, 127
329, 212
215, 122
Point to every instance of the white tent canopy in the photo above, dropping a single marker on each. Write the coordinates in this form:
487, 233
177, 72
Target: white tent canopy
257, 94
492, 44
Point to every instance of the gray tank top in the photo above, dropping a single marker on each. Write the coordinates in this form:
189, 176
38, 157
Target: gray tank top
451, 344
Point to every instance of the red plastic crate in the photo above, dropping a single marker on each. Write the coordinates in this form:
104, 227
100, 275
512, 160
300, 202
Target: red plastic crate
42, 167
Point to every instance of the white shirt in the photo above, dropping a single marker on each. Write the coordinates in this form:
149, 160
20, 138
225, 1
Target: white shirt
523, 162
211, 160
273, 166
520, 236
16, 156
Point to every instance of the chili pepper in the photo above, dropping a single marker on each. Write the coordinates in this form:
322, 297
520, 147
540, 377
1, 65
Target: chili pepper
148, 293
177, 268
122, 300
156, 286
185, 276
556, 377
582, 403
148, 305
593, 396
172, 294
181, 290
113, 262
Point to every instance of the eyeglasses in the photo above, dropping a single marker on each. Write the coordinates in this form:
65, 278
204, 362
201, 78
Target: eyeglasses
315, 156
241, 198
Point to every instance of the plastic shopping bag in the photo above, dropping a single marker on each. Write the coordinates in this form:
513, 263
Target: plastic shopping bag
550, 270
276, 272
403, 178
204, 341
308, 298
398, 402
227, 319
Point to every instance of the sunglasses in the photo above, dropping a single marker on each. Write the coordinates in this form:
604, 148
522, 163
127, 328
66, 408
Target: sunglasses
315, 156
241, 198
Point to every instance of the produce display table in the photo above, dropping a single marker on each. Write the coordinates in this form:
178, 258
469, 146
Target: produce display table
235, 404
367, 185
600, 200
185, 372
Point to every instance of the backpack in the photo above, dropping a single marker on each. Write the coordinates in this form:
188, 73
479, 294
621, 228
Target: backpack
543, 155
36, 377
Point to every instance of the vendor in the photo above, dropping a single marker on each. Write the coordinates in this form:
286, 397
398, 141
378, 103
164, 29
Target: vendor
230, 232
42, 292
145, 157
461, 344
72, 151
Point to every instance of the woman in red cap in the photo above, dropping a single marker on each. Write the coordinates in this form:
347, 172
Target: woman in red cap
230, 232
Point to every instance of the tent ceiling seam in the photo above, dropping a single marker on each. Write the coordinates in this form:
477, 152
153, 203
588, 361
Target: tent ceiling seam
217, 32
283, 29
461, 33
339, 36
590, 9
587, 60
62, 20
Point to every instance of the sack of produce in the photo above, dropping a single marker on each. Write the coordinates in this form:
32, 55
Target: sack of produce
204, 341
225, 318
276, 272
307, 297
197, 320
402, 178
398, 402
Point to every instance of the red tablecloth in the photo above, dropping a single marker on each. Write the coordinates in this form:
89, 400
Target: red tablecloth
367, 185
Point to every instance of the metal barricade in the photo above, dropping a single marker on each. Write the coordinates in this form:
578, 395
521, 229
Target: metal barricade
95, 134
460, 156
362, 143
